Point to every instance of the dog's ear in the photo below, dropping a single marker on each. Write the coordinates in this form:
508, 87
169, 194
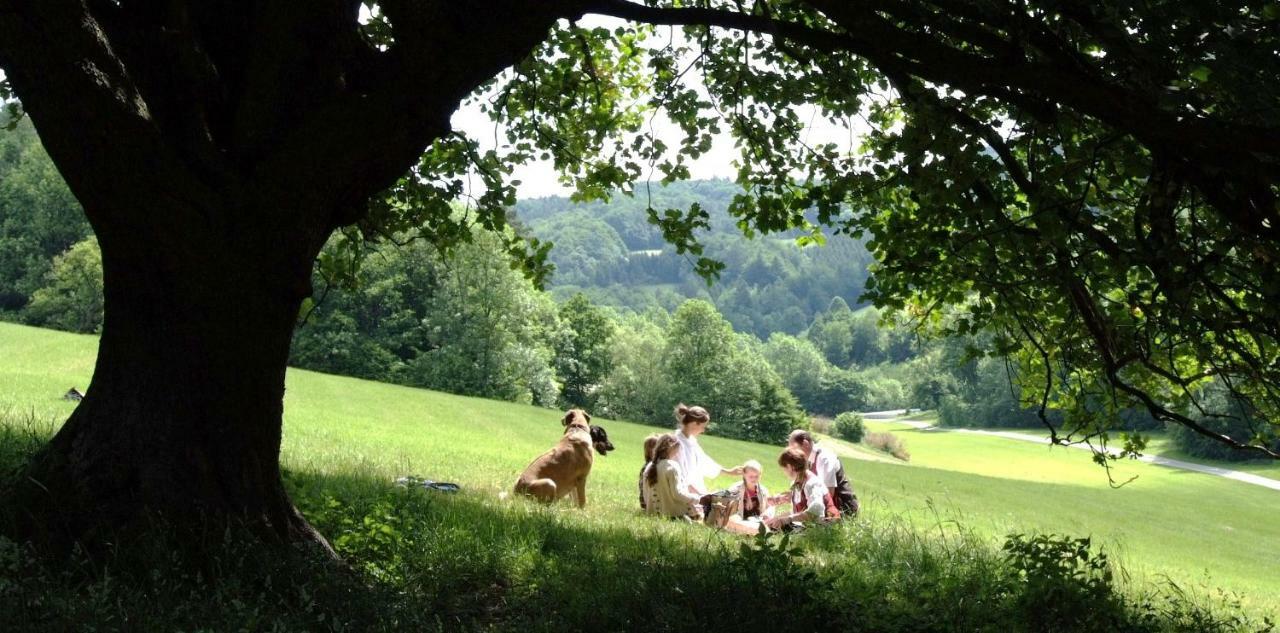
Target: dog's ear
588, 415
568, 417
600, 439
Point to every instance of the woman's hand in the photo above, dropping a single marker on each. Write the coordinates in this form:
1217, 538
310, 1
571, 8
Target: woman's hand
736, 470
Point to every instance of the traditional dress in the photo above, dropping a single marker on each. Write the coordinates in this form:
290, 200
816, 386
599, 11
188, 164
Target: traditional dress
671, 496
814, 500
751, 504
828, 468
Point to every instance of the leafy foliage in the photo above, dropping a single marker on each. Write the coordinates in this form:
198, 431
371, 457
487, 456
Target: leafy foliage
766, 285
706, 363
849, 426
464, 322
1093, 185
39, 218
1063, 580
12, 108
1222, 412
583, 354
72, 297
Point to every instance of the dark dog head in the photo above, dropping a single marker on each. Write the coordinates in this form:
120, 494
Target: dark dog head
601, 440
576, 418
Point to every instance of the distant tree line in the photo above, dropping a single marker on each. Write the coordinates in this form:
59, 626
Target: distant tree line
467, 323
756, 348
50, 270
611, 252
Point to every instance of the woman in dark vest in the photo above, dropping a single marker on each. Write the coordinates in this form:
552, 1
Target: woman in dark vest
824, 463
811, 501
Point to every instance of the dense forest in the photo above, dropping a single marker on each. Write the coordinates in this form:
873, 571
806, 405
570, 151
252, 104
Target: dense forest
625, 326
40, 223
612, 252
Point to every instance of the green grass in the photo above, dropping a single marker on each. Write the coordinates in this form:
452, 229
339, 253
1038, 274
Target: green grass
1166, 522
346, 439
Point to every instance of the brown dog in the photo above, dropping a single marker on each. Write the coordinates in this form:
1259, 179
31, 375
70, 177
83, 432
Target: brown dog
565, 467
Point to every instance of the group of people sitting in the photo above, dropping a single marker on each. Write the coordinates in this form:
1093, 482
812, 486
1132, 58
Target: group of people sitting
673, 481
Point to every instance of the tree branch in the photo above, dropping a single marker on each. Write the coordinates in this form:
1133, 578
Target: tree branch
81, 98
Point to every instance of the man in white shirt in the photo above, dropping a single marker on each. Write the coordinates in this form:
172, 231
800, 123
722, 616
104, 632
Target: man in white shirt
696, 464
827, 466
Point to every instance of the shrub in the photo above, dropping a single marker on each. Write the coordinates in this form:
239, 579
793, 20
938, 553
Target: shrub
848, 426
1061, 584
72, 297
889, 443
838, 390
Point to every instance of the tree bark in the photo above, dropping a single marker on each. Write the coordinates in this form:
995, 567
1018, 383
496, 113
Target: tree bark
214, 148
182, 418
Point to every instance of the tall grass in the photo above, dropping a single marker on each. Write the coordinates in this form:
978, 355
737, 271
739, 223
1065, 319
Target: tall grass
889, 443
417, 560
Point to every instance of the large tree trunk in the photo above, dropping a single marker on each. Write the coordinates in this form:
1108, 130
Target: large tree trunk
182, 418
214, 146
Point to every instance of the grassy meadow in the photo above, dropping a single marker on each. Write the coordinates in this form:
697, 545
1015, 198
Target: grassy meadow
479, 560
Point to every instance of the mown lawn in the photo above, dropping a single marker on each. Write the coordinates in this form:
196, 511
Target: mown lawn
346, 439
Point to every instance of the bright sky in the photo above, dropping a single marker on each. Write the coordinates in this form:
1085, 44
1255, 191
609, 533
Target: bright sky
538, 179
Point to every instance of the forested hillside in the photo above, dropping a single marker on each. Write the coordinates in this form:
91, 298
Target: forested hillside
626, 327
612, 253
39, 221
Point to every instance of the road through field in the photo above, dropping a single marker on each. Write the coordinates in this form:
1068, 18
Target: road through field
1236, 475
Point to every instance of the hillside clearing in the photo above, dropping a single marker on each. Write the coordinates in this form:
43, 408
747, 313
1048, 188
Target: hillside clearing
364, 433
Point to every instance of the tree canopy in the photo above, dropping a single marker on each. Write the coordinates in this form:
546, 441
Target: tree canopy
1093, 184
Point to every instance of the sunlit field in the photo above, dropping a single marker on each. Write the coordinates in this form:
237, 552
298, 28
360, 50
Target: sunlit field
347, 439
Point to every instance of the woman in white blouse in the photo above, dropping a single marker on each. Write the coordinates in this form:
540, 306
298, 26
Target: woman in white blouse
811, 500
697, 465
